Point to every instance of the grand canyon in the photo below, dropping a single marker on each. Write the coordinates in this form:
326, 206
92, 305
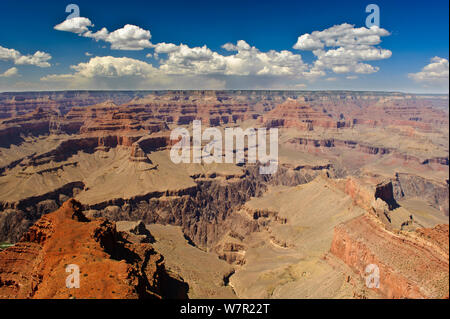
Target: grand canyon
86, 178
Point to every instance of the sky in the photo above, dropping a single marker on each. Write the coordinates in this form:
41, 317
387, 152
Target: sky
283, 45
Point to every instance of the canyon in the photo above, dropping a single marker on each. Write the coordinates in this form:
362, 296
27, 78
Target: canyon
86, 178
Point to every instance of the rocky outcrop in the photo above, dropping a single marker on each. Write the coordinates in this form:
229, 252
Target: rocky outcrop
138, 155
200, 211
109, 265
17, 217
411, 185
298, 115
204, 212
410, 265
385, 192
361, 194
341, 144
380, 201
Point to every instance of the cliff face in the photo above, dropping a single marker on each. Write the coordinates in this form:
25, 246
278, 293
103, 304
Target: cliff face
410, 265
410, 185
110, 266
382, 196
91, 112
299, 115
18, 103
200, 209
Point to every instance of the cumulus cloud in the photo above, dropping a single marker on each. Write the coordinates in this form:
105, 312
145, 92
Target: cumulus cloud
340, 49
10, 72
343, 48
78, 25
165, 47
241, 45
340, 36
435, 73
308, 42
39, 58
248, 60
107, 66
109, 72
129, 37
127, 73
182, 59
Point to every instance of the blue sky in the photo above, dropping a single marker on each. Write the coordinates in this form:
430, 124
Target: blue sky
413, 35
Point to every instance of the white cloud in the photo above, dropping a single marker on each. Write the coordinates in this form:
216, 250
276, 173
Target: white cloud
341, 35
129, 37
101, 34
435, 73
241, 45
109, 72
308, 42
38, 58
108, 67
248, 60
76, 25
165, 47
88, 54
10, 72
182, 59
342, 48
351, 77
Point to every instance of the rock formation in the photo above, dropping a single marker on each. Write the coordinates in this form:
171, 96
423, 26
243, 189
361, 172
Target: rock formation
411, 265
109, 265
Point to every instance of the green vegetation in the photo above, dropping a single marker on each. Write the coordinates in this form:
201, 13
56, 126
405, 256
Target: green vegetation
4, 245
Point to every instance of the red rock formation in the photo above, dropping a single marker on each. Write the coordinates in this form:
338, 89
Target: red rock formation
210, 107
421, 113
410, 265
438, 235
110, 267
362, 195
299, 115
108, 117
14, 104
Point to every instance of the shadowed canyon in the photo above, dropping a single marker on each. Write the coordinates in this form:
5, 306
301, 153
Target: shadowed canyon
86, 178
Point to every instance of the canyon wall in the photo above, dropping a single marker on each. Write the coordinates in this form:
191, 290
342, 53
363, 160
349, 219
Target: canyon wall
110, 266
409, 266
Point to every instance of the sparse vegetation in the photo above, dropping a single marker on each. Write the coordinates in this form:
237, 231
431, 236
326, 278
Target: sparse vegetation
4, 245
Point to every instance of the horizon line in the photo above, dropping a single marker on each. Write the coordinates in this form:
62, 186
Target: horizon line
224, 90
